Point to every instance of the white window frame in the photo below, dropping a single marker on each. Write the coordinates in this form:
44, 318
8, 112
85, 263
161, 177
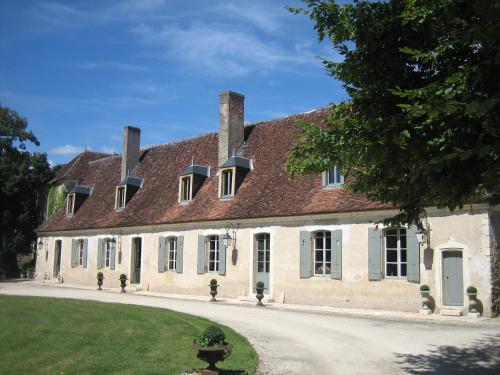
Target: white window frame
80, 252
107, 253
213, 265
227, 184
336, 181
323, 251
121, 203
266, 239
171, 253
399, 248
70, 206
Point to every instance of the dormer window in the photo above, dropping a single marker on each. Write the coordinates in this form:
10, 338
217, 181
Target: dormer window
232, 173
126, 190
186, 189
227, 182
76, 197
333, 177
70, 208
120, 197
190, 181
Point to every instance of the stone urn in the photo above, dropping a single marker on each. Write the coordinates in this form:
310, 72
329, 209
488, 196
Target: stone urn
426, 300
259, 288
473, 303
100, 278
213, 289
212, 355
123, 282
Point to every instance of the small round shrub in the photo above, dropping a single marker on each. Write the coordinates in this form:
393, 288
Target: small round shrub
212, 336
471, 289
424, 288
100, 274
123, 277
260, 284
213, 282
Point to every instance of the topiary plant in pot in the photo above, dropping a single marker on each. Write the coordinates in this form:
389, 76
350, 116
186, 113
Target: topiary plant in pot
123, 282
425, 291
259, 288
100, 277
212, 346
472, 294
213, 289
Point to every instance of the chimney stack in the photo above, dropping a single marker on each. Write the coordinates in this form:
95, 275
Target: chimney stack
131, 149
231, 129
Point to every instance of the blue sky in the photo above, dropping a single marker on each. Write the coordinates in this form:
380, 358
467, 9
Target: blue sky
81, 70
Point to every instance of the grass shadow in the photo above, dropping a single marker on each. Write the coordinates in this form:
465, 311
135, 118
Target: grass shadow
482, 356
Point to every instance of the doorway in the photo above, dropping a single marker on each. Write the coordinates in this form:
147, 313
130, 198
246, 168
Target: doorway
57, 257
136, 260
262, 259
453, 280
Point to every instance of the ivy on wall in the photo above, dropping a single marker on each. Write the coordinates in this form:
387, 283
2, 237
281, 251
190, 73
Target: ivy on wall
55, 199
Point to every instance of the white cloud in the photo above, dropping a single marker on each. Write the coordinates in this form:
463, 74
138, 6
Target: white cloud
66, 150
220, 51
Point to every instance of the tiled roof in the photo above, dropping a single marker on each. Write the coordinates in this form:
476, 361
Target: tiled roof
266, 191
77, 168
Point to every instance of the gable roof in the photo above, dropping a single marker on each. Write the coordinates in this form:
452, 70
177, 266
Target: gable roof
266, 191
76, 169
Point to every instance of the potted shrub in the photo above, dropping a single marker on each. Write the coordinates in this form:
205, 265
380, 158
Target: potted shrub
30, 271
472, 294
425, 291
100, 277
212, 347
259, 288
213, 289
123, 282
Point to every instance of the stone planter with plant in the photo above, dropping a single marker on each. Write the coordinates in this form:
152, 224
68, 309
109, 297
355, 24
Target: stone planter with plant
123, 282
100, 278
472, 294
259, 288
426, 300
213, 289
212, 348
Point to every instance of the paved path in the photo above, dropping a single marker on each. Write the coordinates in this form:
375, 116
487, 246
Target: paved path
296, 342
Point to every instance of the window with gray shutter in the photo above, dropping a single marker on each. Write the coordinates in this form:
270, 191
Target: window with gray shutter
305, 254
161, 254
337, 254
85, 252
112, 255
413, 255
201, 254
100, 254
74, 250
374, 254
222, 256
179, 255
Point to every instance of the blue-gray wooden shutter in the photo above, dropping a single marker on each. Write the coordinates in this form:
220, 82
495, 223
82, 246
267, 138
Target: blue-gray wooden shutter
374, 254
112, 256
99, 253
336, 254
161, 254
324, 178
180, 252
222, 256
74, 259
412, 255
85, 252
201, 254
305, 254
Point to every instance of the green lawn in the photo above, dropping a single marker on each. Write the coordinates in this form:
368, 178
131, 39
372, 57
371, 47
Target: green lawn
54, 336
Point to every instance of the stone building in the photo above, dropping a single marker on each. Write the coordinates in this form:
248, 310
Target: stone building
221, 206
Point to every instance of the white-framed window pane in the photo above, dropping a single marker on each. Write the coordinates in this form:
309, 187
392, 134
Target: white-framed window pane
334, 176
213, 253
172, 253
395, 252
186, 188
227, 183
322, 253
80, 252
107, 253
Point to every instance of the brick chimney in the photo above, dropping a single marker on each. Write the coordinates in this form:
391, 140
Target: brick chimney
131, 149
231, 128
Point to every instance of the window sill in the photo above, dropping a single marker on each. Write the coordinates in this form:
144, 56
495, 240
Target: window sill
226, 198
184, 203
395, 278
323, 276
333, 186
120, 209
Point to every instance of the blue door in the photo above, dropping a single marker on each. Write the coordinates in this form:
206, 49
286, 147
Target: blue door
453, 281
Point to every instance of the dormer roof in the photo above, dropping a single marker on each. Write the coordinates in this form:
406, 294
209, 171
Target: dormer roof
80, 189
203, 170
237, 161
132, 181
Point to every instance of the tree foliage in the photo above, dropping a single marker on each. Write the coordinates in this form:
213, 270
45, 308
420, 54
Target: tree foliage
421, 127
55, 198
23, 176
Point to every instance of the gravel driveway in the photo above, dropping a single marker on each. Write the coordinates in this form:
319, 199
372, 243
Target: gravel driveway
295, 342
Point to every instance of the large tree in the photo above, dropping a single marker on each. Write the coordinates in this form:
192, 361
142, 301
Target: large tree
421, 127
23, 177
